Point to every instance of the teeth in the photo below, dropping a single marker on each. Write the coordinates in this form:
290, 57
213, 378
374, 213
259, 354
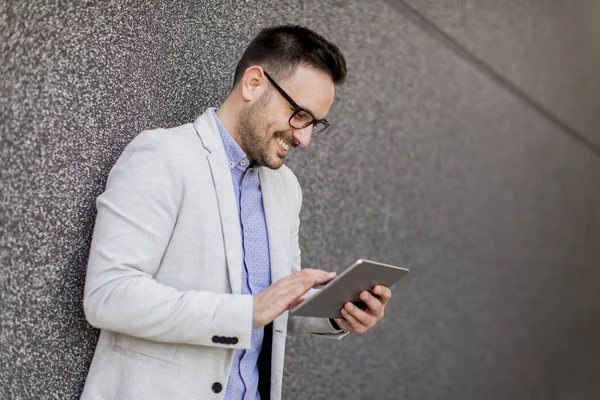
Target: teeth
283, 144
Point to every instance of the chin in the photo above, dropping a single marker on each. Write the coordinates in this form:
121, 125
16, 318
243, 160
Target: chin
275, 163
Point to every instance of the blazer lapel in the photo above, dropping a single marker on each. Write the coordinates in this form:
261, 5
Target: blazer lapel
219, 167
274, 202
278, 227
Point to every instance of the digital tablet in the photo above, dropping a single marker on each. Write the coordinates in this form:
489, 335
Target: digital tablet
360, 276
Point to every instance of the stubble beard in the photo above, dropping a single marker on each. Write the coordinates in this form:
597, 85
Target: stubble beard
257, 145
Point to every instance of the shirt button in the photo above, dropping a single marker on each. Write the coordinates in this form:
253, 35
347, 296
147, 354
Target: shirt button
216, 387
243, 162
232, 164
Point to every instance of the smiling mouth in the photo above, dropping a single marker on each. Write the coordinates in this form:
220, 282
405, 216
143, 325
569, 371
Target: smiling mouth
283, 144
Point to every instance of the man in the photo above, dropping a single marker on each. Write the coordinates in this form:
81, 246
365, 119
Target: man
195, 261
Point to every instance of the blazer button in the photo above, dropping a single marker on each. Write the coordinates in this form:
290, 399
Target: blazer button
234, 340
215, 339
216, 387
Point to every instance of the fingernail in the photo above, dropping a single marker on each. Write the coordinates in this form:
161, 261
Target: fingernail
349, 307
378, 290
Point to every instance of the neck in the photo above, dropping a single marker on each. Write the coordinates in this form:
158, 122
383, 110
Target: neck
228, 117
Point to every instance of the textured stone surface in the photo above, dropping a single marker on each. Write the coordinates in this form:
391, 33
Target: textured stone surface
548, 49
429, 164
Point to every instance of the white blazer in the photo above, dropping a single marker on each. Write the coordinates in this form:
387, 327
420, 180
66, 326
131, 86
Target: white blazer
164, 278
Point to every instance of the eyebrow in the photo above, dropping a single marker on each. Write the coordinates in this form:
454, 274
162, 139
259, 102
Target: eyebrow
311, 113
299, 106
289, 98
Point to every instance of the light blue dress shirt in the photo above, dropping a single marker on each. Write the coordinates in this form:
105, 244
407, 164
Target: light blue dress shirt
256, 271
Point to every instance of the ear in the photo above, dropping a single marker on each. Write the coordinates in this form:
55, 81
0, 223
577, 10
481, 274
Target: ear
253, 83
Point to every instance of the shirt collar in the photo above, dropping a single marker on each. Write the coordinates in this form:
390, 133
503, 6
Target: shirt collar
236, 156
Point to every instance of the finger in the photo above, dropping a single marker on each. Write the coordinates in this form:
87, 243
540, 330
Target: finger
374, 304
361, 316
321, 277
304, 280
354, 324
312, 278
383, 292
298, 284
296, 303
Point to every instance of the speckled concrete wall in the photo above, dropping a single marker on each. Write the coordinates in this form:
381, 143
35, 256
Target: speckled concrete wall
430, 163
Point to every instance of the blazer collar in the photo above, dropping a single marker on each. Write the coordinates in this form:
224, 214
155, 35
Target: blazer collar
207, 130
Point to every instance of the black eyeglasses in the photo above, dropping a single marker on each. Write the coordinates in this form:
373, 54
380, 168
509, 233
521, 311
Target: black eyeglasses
301, 118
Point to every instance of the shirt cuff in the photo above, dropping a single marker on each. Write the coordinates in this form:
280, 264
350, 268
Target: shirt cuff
334, 325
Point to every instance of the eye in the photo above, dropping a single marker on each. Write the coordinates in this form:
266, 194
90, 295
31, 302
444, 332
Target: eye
302, 116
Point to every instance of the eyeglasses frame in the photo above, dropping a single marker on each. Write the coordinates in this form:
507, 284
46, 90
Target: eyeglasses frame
297, 109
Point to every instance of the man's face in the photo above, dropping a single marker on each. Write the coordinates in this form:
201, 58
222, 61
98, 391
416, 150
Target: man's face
264, 127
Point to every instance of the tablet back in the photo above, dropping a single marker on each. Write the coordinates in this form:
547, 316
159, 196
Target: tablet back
362, 275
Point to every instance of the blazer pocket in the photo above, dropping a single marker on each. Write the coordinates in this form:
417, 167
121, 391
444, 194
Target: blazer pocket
155, 353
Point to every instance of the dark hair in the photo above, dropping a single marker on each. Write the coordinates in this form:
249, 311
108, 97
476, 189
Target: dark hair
281, 49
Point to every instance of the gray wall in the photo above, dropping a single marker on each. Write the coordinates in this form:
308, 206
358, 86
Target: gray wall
464, 145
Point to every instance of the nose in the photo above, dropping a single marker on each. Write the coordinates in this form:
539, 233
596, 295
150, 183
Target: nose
303, 136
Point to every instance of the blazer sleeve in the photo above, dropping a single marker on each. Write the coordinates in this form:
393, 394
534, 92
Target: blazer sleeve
306, 325
136, 216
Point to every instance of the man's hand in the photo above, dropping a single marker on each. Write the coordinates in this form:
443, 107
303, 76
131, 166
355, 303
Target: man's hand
285, 294
359, 321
